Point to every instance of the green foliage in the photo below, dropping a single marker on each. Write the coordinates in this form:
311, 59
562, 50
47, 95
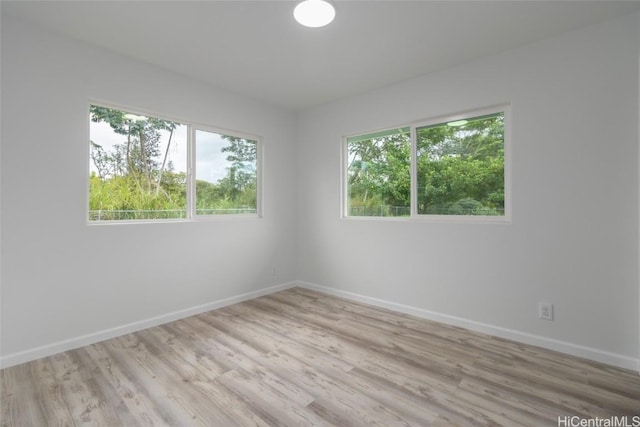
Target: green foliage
121, 197
224, 198
239, 186
461, 168
379, 174
236, 192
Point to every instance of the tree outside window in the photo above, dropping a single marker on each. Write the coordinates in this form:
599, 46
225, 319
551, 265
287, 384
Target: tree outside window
378, 170
461, 167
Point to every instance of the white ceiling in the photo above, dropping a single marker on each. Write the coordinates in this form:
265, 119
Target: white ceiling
257, 49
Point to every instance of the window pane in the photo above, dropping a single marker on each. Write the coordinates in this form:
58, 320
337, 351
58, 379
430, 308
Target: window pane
461, 167
137, 166
378, 173
226, 174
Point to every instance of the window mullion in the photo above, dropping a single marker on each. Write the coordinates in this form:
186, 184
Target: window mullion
414, 173
191, 172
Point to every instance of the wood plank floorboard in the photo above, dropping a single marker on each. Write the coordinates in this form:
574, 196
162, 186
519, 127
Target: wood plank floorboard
303, 358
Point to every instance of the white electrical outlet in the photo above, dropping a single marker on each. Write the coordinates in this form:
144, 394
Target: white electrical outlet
545, 310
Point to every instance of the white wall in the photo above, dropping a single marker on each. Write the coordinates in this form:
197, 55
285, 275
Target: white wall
573, 240
62, 279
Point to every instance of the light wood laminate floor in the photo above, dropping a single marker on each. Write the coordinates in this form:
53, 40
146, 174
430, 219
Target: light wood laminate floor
299, 357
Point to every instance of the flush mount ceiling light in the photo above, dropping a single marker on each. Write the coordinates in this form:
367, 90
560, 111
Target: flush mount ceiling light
457, 123
314, 13
134, 117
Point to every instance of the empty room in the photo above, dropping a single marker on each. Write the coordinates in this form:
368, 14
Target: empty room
392, 213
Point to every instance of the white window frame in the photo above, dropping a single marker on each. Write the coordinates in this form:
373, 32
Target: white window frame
414, 215
190, 207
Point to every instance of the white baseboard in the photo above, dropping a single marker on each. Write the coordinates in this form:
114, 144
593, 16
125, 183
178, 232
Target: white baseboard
590, 353
92, 338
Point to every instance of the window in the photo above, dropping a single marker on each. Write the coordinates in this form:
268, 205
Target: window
457, 170
461, 167
147, 168
378, 173
226, 174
